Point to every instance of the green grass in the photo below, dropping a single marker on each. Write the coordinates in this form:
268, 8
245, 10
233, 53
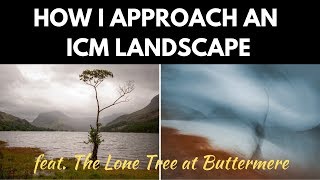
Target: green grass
18, 163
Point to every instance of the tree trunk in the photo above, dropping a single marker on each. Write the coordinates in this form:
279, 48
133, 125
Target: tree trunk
257, 153
94, 156
95, 142
96, 139
259, 131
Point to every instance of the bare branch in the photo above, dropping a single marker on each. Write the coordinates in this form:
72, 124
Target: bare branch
99, 83
89, 84
268, 107
123, 90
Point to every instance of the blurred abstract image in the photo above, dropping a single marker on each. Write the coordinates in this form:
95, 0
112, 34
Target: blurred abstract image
250, 111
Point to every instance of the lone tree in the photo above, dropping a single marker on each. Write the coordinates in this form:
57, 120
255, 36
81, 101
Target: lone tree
94, 78
260, 130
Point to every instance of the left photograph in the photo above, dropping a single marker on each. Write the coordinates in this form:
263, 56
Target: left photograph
78, 121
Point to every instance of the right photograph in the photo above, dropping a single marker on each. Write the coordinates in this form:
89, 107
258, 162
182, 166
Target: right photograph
228, 120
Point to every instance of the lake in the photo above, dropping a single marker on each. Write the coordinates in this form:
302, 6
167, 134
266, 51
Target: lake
123, 146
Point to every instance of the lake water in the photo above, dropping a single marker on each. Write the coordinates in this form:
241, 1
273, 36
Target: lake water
123, 146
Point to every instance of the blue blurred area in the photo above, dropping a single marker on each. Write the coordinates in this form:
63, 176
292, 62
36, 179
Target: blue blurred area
274, 106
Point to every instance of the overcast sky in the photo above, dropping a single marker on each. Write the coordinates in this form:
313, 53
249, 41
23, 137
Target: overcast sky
27, 90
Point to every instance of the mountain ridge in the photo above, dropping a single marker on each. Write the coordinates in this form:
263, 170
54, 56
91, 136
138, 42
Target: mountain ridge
143, 120
59, 121
10, 122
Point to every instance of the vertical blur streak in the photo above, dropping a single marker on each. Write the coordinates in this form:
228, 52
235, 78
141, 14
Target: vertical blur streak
242, 108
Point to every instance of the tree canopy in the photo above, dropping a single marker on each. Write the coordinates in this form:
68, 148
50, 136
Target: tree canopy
95, 77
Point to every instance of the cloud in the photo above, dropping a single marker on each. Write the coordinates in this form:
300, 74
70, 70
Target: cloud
28, 90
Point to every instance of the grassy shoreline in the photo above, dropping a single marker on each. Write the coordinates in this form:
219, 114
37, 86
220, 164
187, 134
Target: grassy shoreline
19, 162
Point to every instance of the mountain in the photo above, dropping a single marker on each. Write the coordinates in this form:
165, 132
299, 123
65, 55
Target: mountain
54, 120
107, 119
313, 131
9, 122
144, 120
59, 121
180, 112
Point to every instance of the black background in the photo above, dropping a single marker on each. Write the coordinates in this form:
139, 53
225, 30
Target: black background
291, 42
